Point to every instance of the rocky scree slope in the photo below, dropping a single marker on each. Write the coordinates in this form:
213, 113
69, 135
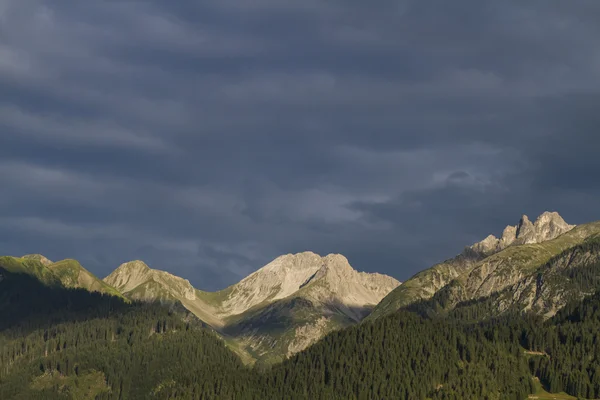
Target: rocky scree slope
278, 310
490, 265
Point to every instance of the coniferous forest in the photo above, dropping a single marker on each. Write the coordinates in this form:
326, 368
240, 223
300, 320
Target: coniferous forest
72, 344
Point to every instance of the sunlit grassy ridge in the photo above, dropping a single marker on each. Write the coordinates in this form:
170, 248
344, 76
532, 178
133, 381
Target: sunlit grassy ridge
68, 273
30, 267
73, 275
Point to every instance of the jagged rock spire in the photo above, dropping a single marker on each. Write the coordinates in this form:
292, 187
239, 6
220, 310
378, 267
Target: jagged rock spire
547, 226
487, 245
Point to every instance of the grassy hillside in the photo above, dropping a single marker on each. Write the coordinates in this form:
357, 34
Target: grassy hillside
72, 275
67, 273
30, 267
425, 284
541, 394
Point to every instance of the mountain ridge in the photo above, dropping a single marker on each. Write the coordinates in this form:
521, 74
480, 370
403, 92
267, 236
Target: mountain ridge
472, 263
484, 315
73, 275
294, 300
547, 226
279, 309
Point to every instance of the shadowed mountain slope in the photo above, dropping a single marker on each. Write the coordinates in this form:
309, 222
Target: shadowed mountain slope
278, 310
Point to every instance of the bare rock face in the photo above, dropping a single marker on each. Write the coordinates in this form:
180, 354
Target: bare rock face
307, 334
509, 235
488, 245
136, 274
323, 294
547, 226
525, 231
276, 280
128, 276
336, 282
291, 274
304, 295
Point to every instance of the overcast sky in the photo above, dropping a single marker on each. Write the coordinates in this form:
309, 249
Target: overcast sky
208, 137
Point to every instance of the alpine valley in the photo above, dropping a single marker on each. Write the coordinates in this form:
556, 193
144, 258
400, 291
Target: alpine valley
509, 317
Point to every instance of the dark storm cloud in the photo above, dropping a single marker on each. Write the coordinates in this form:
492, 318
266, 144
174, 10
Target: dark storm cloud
209, 137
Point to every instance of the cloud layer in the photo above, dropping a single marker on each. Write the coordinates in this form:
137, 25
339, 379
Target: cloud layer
209, 137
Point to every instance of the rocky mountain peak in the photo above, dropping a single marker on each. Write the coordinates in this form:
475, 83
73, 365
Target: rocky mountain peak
288, 274
337, 263
509, 235
525, 228
303, 293
133, 266
524, 221
277, 280
130, 275
339, 285
487, 245
547, 226
289, 262
289, 271
550, 225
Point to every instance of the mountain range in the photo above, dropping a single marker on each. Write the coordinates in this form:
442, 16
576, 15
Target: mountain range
280, 309
275, 312
292, 302
534, 268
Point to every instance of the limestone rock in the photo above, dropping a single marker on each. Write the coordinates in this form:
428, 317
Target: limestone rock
547, 226
525, 231
486, 266
304, 295
488, 245
509, 235
160, 284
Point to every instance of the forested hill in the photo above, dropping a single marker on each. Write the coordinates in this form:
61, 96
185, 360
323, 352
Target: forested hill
79, 345
405, 356
58, 343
